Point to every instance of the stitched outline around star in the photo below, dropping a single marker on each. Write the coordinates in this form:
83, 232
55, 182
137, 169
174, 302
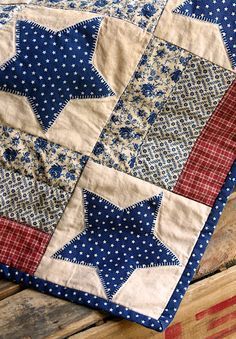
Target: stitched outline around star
91, 57
177, 10
109, 295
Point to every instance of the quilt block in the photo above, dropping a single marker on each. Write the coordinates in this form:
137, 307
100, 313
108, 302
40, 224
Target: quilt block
117, 147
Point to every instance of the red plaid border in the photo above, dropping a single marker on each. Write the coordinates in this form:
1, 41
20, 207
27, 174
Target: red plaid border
212, 155
21, 246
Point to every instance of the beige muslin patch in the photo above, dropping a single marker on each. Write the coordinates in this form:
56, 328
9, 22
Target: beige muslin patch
194, 35
178, 225
119, 48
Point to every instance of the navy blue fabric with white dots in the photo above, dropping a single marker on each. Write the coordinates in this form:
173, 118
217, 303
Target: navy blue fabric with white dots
160, 324
117, 241
50, 68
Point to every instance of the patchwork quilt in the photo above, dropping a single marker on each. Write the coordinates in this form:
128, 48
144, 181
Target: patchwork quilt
117, 147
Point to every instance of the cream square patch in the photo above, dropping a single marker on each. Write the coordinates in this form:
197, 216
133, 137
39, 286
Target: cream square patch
176, 229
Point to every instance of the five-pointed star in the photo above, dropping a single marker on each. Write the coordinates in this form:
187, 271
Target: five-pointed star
116, 241
50, 68
220, 12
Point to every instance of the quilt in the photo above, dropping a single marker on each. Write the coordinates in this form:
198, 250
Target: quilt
117, 147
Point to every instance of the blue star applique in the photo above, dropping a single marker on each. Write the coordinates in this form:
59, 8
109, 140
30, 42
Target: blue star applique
220, 12
50, 68
117, 241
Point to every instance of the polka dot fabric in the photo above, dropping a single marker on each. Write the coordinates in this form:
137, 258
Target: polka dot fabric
117, 241
119, 310
51, 68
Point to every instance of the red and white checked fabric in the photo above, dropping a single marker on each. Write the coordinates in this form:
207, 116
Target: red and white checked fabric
21, 246
212, 155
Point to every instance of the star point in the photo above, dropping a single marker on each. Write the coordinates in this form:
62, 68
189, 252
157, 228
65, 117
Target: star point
117, 241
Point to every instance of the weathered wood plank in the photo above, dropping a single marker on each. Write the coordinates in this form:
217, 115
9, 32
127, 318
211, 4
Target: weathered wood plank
8, 288
35, 315
92, 318
221, 251
207, 310
117, 329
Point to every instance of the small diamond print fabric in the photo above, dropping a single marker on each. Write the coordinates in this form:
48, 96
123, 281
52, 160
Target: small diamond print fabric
28, 201
113, 216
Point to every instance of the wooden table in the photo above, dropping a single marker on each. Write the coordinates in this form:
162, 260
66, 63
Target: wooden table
208, 309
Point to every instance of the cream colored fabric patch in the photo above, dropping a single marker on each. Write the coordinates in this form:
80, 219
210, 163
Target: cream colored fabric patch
148, 290
193, 35
178, 225
119, 47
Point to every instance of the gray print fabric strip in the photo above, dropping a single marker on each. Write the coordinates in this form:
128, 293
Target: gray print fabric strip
28, 201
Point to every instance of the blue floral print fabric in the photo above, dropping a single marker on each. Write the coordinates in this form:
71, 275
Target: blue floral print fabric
7, 12
158, 72
40, 159
142, 13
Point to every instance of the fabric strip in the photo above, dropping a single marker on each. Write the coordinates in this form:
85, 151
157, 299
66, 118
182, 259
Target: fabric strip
212, 155
40, 159
160, 68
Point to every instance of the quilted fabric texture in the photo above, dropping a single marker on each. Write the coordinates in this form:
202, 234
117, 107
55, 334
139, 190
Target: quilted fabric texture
117, 147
